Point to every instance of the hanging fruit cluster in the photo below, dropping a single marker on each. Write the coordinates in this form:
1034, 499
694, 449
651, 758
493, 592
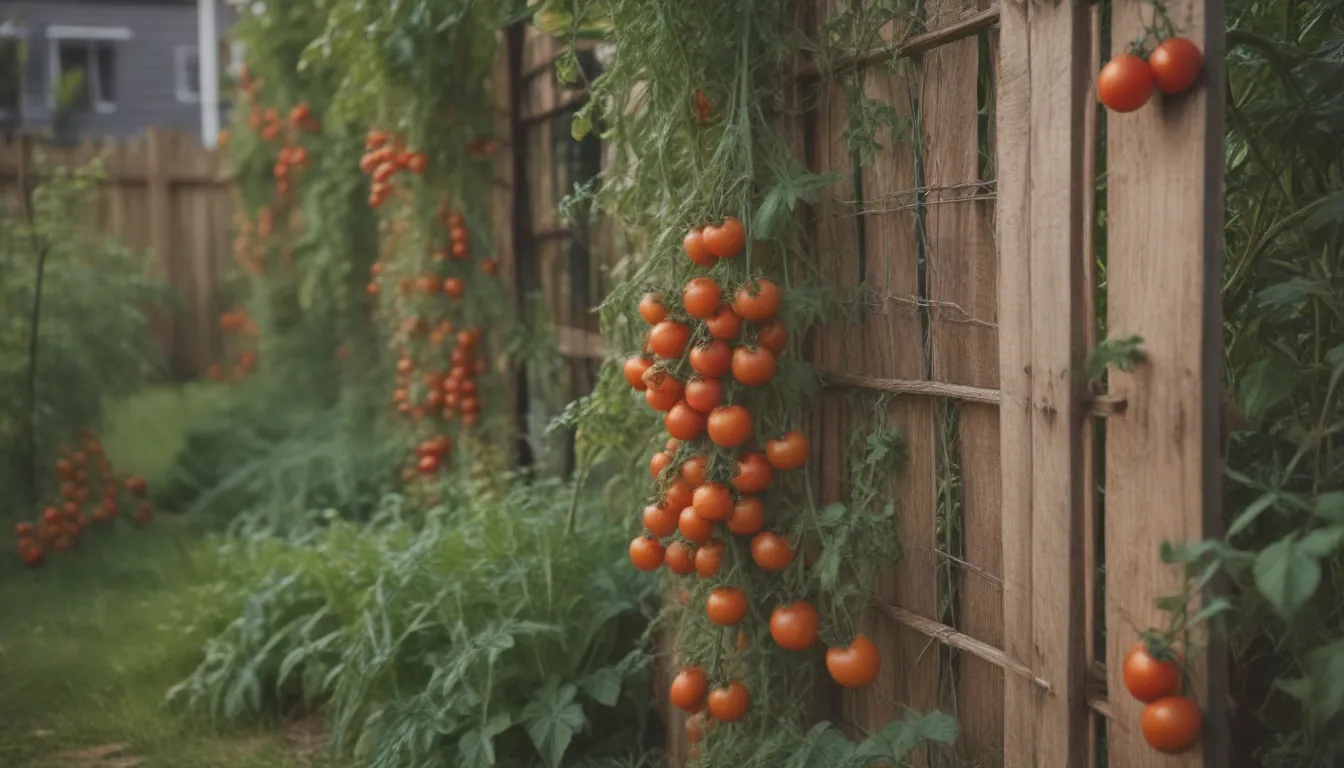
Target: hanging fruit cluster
237, 322
384, 157
1127, 81
62, 523
437, 371
1152, 674
705, 356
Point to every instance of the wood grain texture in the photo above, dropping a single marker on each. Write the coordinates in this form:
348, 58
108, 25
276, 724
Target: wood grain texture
964, 349
1165, 166
1039, 151
892, 340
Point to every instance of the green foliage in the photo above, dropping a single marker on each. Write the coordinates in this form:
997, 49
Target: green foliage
429, 643
93, 340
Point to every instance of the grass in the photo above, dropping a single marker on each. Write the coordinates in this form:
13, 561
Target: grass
90, 643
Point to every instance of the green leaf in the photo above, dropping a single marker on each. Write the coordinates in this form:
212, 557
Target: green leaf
1330, 505
1291, 292
783, 197
478, 744
1251, 512
552, 718
898, 739
1335, 357
1286, 576
1322, 541
1322, 690
1266, 384
603, 686
1217, 606
1186, 551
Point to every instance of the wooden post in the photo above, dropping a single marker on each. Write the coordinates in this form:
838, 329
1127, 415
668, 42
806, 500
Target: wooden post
1163, 478
161, 227
1042, 97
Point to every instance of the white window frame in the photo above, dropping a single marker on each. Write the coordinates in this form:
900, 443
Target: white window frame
56, 34
186, 92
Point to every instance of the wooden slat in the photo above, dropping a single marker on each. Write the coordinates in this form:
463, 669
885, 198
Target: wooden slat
1039, 130
950, 31
1165, 165
964, 350
892, 346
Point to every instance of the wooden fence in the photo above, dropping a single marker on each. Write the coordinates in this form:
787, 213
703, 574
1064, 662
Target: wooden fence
974, 235
167, 195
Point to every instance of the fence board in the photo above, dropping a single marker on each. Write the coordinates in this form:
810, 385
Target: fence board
964, 350
893, 348
1165, 165
1042, 87
166, 194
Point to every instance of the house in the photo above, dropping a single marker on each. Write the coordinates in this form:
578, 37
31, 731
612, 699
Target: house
112, 68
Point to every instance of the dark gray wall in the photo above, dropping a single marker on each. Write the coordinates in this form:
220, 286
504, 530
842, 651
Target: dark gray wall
145, 64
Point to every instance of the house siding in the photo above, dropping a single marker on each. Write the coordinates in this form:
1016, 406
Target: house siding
145, 77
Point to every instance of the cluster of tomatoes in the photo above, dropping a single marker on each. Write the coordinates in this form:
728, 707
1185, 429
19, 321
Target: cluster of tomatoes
1171, 722
383, 158
701, 357
250, 244
429, 382
237, 322
61, 525
1127, 81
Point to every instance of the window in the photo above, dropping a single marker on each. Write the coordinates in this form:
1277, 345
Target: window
187, 74
83, 66
11, 78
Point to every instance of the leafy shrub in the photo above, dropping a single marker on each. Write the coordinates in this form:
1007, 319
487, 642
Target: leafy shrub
484, 635
93, 342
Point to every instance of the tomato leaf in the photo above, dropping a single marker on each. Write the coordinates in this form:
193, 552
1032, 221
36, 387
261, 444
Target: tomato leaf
603, 686
794, 186
1321, 691
1121, 353
1330, 506
1286, 575
1251, 512
552, 718
1267, 383
899, 739
1322, 541
1291, 292
478, 744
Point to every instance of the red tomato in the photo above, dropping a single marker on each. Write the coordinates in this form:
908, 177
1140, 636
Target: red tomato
668, 339
757, 301
684, 422
688, 689
679, 494
660, 521
658, 463
771, 551
646, 553
748, 516
724, 324
651, 309
1172, 724
1148, 679
729, 426
680, 558
709, 559
856, 666
727, 239
1176, 63
754, 473
788, 451
701, 297
729, 704
726, 606
693, 470
635, 368
794, 626
753, 367
1125, 83
704, 395
711, 360
712, 501
662, 390
695, 528
694, 245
